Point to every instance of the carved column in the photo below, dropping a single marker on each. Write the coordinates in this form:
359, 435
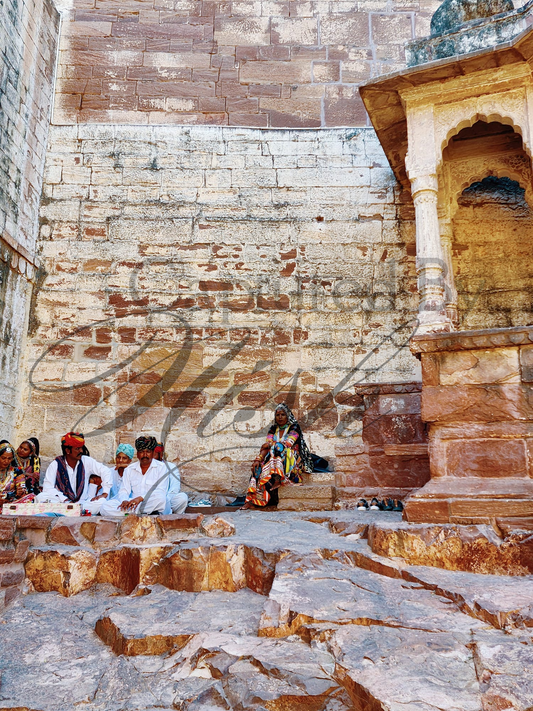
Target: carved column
430, 262
450, 292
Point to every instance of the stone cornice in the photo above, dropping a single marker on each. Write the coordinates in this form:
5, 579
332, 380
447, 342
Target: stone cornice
472, 340
21, 260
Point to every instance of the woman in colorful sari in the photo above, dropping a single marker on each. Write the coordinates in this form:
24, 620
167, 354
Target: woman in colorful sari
12, 476
28, 454
283, 458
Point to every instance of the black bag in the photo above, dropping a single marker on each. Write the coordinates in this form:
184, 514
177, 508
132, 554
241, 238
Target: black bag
319, 463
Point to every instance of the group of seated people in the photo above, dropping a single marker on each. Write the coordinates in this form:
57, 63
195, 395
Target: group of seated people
149, 485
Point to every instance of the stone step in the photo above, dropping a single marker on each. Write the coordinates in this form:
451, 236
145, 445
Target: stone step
306, 497
470, 500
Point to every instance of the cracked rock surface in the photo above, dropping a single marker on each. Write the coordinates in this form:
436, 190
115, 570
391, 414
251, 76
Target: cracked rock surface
291, 612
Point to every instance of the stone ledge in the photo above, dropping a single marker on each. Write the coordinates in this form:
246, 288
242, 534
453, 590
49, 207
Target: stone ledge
472, 340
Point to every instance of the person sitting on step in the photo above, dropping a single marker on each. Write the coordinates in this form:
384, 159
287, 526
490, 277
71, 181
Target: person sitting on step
12, 478
283, 458
144, 485
28, 454
67, 478
123, 458
177, 500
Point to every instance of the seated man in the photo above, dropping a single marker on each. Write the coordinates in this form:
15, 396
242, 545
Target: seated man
68, 478
123, 458
144, 485
177, 500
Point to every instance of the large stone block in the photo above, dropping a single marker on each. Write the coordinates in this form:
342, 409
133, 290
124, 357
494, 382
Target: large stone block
64, 570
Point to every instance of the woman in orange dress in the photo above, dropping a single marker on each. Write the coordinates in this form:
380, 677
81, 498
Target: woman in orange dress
283, 458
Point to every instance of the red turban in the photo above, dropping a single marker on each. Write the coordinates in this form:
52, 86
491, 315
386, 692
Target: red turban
73, 439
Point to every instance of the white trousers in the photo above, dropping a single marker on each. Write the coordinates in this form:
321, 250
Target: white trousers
178, 502
155, 502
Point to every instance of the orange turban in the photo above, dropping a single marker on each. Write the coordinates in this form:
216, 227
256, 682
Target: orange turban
73, 439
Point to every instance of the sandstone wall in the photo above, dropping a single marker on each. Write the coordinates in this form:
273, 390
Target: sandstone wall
493, 253
240, 62
195, 276
28, 42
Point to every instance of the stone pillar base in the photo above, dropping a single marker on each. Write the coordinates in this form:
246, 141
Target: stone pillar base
470, 500
477, 398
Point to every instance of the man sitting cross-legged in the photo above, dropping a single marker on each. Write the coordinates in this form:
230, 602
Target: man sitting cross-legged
144, 485
177, 500
76, 477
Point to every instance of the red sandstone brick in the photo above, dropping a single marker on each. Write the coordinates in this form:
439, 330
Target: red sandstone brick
181, 522
21, 551
486, 458
7, 528
273, 90
239, 304
7, 555
215, 286
97, 352
256, 120
34, 522
427, 511
127, 335
273, 304
344, 107
253, 399
12, 577
210, 104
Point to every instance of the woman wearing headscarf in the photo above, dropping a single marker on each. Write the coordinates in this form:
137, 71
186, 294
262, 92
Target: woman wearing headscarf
123, 458
12, 477
28, 454
283, 458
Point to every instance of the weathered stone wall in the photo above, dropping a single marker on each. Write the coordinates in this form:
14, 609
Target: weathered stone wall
252, 63
195, 276
493, 253
28, 42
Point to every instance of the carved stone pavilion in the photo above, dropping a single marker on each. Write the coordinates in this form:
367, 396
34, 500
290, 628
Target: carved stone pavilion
461, 114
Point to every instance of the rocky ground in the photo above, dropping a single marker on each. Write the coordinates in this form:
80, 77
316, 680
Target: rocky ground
275, 611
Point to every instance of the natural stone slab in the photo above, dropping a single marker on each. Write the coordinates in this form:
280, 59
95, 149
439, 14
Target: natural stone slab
217, 527
476, 549
419, 670
223, 567
165, 620
65, 570
313, 590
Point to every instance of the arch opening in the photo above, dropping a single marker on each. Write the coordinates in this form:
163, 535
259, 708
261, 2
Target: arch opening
492, 255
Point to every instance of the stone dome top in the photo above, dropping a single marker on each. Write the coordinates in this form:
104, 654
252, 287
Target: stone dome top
454, 13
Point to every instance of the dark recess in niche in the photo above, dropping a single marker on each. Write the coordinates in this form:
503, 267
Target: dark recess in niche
502, 191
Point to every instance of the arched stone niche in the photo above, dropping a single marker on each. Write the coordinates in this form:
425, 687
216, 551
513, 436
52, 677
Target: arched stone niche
448, 149
486, 231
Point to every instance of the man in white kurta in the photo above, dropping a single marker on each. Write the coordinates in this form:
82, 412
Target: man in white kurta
144, 484
177, 501
79, 488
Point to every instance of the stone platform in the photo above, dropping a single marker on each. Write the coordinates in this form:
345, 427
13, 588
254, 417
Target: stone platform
283, 611
477, 397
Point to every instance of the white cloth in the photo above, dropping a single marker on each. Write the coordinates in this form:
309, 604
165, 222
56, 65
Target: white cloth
177, 499
178, 502
91, 466
152, 486
117, 484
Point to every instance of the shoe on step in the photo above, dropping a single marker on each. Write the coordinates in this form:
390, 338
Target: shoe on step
398, 506
387, 505
362, 505
375, 505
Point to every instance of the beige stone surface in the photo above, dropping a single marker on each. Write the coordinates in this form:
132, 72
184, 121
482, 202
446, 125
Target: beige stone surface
334, 626
192, 309
496, 367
